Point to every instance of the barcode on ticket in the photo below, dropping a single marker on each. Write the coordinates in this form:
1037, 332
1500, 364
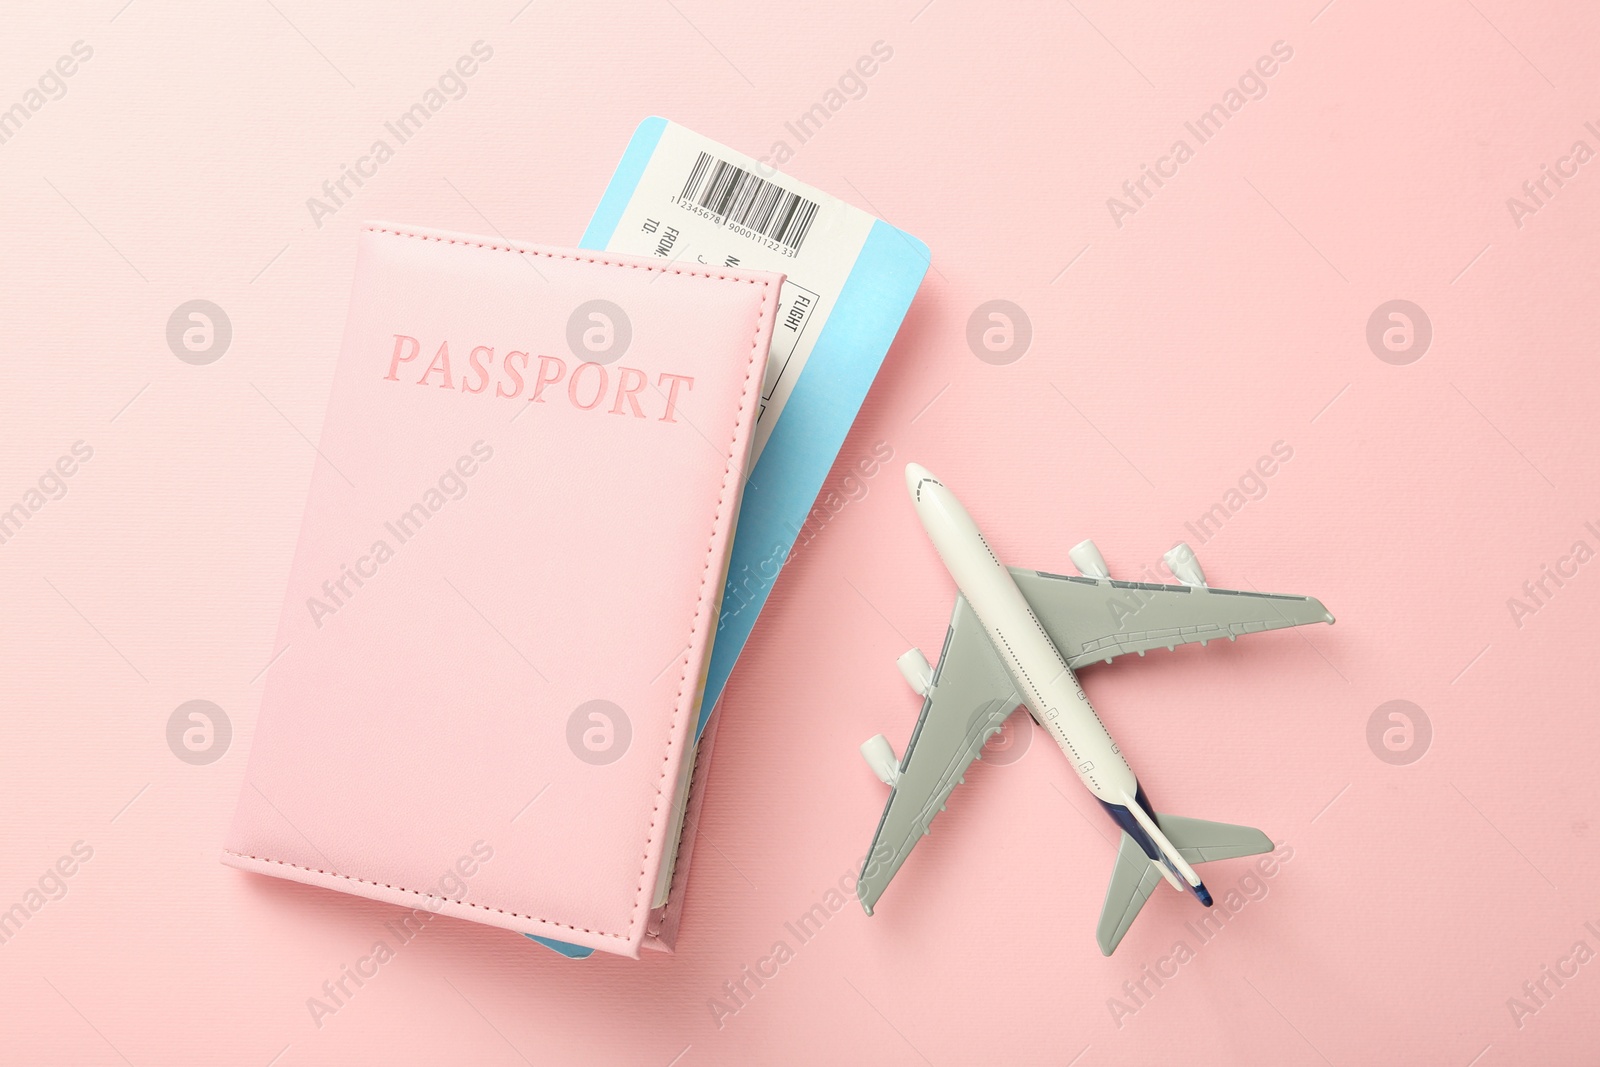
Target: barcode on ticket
740, 198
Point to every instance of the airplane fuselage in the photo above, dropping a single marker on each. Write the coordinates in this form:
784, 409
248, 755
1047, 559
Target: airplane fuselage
1047, 684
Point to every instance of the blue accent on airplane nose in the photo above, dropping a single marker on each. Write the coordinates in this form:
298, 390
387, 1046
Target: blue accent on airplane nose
1202, 894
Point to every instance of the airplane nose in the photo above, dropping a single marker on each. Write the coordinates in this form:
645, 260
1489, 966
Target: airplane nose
916, 473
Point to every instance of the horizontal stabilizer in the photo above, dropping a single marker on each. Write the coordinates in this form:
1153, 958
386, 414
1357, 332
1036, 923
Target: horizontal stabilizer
1133, 879
1199, 841
1136, 876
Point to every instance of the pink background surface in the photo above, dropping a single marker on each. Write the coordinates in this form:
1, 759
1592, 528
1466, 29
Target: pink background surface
1168, 354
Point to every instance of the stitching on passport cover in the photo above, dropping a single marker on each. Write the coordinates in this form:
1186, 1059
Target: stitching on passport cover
419, 893
598, 260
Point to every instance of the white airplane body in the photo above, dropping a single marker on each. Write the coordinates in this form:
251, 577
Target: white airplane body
1000, 654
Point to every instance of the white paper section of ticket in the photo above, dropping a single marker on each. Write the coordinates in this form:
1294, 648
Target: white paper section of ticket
700, 202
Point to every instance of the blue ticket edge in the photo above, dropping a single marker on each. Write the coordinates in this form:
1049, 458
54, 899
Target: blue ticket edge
804, 445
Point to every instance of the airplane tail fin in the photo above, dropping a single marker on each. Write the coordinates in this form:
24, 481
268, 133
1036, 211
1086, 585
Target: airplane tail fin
1136, 875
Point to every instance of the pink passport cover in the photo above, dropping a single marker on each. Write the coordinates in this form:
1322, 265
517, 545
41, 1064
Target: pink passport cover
502, 528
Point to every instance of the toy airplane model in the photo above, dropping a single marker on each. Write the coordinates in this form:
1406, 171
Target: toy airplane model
1015, 637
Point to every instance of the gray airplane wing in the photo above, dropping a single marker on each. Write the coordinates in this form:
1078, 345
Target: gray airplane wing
1094, 619
970, 697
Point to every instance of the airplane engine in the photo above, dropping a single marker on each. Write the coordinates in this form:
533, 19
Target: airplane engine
1086, 557
1181, 561
880, 756
914, 668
